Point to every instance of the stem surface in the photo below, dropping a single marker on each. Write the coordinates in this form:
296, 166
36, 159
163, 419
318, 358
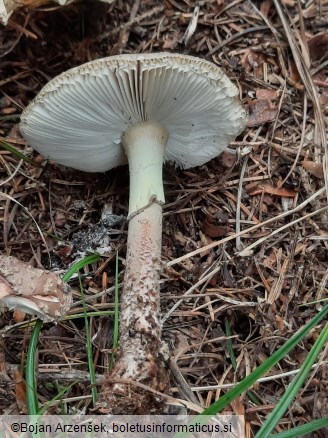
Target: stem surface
144, 145
140, 345
140, 333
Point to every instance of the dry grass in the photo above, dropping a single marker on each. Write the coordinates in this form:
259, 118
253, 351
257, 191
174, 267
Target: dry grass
245, 237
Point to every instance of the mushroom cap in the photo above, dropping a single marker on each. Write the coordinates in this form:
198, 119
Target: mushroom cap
79, 117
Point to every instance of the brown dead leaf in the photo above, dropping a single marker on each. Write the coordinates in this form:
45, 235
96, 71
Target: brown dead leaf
265, 94
20, 391
294, 76
65, 253
270, 261
215, 223
5, 287
315, 169
227, 159
171, 43
280, 323
238, 406
60, 219
271, 190
19, 315
261, 111
213, 230
252, 60
266, 7
32, 4
9, 110
181, 239
318, 46
324, 98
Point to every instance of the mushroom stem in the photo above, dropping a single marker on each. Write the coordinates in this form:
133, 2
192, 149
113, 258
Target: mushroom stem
144, 146
140, 329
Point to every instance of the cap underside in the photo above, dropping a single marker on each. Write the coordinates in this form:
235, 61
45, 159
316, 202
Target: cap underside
79, 117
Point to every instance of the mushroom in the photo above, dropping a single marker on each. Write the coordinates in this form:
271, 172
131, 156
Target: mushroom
32, 290
145, 109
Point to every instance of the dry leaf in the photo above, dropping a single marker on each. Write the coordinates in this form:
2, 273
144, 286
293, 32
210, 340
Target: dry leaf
19, 316
261, 111
171, 43
324, 97
290, 3
271, 190
215, 223
252, 60
264, 94
270, 261
318, 46
65, 253
60, 219
238, 406
227, 159
294, 76
266, 7
315, 169
20, 391
280, 323
32, 290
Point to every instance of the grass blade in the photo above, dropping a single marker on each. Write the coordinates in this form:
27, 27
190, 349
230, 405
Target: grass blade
252, 378
116, 317
79, 265
285, 401
89, 314
10, 117
16, 153
57, 397
229, 344
31, 392
94, 393
305, 429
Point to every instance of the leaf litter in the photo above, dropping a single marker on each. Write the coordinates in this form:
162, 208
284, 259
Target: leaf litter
244, 237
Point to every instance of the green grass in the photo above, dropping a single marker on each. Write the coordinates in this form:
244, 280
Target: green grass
116, 317
229, 344
31, 386
31, 390
273, 419
288, 397
89, 348
90, 314
10, 117
252, 378
16, 153
299, 431
79, 265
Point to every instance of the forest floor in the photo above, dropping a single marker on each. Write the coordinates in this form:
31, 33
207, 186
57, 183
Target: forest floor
259, 211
